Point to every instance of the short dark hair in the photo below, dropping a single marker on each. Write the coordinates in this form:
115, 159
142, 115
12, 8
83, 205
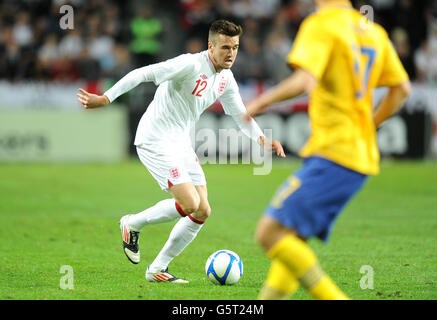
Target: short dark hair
224, 27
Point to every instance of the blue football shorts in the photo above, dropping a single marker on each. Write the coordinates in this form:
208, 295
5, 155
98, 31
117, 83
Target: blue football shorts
311, 198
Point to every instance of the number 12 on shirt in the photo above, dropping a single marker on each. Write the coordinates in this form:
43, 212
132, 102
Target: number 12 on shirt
202, 85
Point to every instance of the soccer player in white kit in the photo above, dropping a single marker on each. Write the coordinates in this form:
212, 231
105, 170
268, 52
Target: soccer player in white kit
187, 85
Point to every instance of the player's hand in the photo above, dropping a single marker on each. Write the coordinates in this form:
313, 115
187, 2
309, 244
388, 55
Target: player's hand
90, 100
274, 145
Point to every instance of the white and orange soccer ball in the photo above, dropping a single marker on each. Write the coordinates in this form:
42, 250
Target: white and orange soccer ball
224, 267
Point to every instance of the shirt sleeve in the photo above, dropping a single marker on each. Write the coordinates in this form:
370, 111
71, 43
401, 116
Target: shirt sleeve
128, 82
312, 47
176, 68
231, 99
251, 130
233, 106
393, 72
173, 69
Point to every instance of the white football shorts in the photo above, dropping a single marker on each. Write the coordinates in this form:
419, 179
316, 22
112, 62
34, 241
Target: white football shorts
172, 166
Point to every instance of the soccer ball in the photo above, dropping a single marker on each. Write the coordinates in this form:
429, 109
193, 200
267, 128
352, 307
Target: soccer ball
224, 267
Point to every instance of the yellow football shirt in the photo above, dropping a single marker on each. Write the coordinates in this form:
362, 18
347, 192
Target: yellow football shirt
349, 57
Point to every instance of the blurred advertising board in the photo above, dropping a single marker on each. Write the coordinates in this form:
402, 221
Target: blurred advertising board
45, 122
47, 135
412, 133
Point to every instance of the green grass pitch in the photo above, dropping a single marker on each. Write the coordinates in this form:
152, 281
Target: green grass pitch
56, 215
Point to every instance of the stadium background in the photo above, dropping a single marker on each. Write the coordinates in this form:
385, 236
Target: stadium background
42, 64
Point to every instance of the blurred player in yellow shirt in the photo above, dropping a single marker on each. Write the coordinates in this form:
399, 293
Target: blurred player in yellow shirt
339, 57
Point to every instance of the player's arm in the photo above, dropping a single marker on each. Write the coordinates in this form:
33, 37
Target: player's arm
125, 84
252, 130
233, 106
159, 72
301, 81
394, 77
391, 103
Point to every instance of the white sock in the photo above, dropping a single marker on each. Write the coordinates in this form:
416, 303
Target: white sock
184, 231
163, 211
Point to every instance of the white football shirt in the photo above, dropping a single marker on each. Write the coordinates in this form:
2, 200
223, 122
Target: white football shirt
187, 85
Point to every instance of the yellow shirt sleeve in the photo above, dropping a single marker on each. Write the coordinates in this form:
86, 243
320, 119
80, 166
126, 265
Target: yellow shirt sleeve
393, 72
312, 47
